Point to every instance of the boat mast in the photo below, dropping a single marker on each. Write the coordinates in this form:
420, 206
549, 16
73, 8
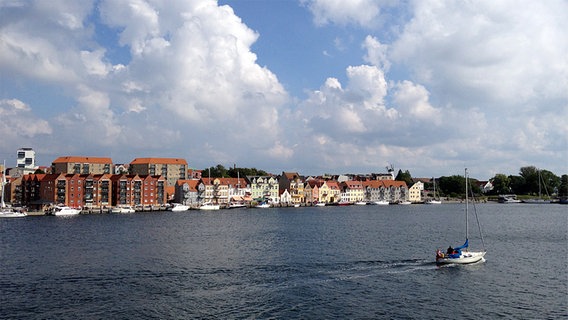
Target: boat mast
3, 182
539, 190
466, 205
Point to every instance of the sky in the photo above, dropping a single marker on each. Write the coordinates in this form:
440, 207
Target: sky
312, 86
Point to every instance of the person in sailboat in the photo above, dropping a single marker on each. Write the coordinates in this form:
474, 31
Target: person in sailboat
450, 250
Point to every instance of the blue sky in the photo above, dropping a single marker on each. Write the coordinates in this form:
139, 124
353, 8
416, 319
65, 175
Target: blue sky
314, 86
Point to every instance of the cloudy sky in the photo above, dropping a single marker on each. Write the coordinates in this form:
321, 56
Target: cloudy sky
314, 86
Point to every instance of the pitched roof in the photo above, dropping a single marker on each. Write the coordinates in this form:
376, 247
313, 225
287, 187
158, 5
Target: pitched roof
159, 161
80, 159
374, 184
226, 181
394, 183
291, 175
353, 184
192, 183
332, 184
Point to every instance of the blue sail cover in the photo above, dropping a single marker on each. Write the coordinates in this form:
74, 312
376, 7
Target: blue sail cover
458, 250
465, 245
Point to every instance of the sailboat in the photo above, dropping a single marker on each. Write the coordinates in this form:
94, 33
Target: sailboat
6, 212
434, 200
538, 200
461, 254
209, 205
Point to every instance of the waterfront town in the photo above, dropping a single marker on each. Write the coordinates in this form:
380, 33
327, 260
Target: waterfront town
96, 185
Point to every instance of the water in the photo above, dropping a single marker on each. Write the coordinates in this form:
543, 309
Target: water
358, 262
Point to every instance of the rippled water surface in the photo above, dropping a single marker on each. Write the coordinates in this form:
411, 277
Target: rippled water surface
313, 263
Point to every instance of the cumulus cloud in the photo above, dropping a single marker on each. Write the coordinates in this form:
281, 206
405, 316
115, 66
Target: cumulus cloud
505, 54
194, 59
191, 74
442, 84
18, 123
377, 53
357, 108
413, 101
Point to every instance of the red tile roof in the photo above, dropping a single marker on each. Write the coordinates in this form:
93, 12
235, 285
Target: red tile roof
159, 161
68, 159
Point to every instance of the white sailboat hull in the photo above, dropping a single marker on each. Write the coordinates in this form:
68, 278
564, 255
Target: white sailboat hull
210, 207
464, 258
12, 214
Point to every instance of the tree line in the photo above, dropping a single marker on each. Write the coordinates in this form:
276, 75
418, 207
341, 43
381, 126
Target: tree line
219, 171
530, 181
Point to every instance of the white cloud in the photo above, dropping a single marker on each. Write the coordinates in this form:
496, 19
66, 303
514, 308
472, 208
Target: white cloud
502, 53
93, 61
453, 82
18, 125
359, 12
376, 53
92, 119
192, 75
413, 101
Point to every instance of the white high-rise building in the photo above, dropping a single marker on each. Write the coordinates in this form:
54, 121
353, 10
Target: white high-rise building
26, 160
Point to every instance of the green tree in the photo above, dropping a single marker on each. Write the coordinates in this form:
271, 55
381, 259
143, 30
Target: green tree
517, 184
454, 186
534, 179
550, 182
501, 184
39, 171
243, 172
218, 171
404, 176
530, 176
563, 188
451, 185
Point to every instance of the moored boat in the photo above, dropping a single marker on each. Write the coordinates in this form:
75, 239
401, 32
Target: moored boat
123, 209
209, 206
263, 205
65, 211
6, 212
508, 198
434, 200
178, 207
12, 213
236, 205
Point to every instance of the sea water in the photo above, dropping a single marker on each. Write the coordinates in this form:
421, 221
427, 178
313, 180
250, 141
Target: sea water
355, 262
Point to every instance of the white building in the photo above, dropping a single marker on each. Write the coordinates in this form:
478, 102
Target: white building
26, 161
